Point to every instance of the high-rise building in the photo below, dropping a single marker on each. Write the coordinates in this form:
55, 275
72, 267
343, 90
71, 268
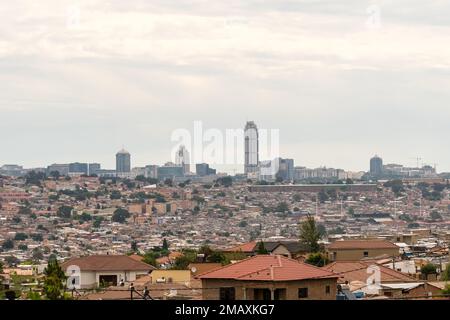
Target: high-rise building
151, 171
251, 148
94, 168
170, 171
78, 168
62, 169
203, 169
376, 166
123, 162
182, 158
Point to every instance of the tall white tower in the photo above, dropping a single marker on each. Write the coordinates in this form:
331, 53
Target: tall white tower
182, 158
251, 147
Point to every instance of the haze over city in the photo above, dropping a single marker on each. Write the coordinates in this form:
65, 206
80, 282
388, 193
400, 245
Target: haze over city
342, 82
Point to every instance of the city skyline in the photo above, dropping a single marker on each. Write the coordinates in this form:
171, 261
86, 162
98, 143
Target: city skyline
338, 88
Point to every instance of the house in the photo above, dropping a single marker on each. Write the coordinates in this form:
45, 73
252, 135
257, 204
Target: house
372, 279
351, 250
97, 270
289, 249
269, 277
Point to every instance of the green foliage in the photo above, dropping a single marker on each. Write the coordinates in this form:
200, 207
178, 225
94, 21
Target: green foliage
309, 234
120, 215
64, 212
282, 207
445, 276
97, 222
54, 280
20, 236
115, 195
225, 181
317, 259
8, 244
429, 268
261, 248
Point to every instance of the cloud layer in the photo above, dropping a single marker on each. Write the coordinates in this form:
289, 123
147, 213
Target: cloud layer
341, 81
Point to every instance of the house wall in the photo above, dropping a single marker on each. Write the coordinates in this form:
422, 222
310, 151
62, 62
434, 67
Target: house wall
316, 288
282, 250
358, 254
177, 276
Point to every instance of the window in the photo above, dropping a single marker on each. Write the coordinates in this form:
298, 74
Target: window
303, 293
366, 254
327, 290
227, 294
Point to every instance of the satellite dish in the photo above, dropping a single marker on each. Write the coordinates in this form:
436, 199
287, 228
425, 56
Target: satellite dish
194, 269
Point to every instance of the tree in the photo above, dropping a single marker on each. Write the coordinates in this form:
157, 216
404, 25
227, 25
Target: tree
225, 181
54, 280
134, 246
97, 222
37, 255
309, 234
181, 263
150, 258
445, 276
115, 194
317, 259
282, 207
20, 236
429, 268
120, 215
165, 244
64, 212
8, 244
261, 248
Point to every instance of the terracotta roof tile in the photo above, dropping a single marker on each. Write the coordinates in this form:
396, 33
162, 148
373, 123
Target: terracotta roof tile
357, 271
268, 268
108, 263
362, 244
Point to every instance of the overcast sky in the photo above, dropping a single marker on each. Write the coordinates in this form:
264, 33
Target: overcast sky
341, 81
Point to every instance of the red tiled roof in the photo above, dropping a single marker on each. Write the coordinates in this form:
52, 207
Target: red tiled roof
362, 244
107, 263
357, 271
246, 247
268, 268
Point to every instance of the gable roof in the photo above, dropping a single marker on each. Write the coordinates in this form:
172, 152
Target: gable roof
245, 247
357, 271
268, 268
362, 244
107, 263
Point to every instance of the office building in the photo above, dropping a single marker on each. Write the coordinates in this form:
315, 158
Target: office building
170, 171
94, 168
376, 166
251, 143
203, 169
123, 163
78, 168
182, 158
62, 169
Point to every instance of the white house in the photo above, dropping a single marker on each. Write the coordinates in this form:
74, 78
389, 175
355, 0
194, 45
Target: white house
97, 270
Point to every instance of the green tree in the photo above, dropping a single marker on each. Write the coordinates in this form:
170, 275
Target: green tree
97, 222
120, 215
64, 212
261, 248
54, 280
309, 234
317, 259
282, 207
445, 276
165, 244
429, 268
115, 194
8, 244
134, 246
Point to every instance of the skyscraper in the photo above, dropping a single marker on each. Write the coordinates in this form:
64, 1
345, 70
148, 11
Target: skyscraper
182, 158
123, 162
376, 166
251, 148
